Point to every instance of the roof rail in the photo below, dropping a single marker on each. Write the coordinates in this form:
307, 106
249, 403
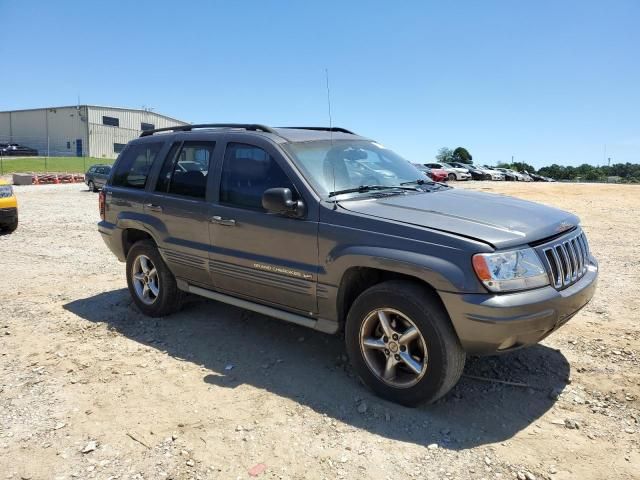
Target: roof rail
187, 128
324, 129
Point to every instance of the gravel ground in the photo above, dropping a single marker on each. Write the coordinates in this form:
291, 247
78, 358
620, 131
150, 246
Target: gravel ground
89, 388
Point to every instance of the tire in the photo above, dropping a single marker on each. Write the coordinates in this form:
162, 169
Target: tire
166, 299
451, 177
92, 186
10, 227
422, 308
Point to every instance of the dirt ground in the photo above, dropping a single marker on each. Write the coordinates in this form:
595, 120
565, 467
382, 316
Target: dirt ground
89, 388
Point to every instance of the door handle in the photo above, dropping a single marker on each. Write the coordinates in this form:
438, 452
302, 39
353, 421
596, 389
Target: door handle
152, 207
229, 222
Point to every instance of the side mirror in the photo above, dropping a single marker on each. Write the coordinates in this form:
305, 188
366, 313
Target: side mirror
280, 201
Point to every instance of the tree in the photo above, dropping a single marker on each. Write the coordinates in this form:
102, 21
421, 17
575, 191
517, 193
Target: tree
462, 155
445, 155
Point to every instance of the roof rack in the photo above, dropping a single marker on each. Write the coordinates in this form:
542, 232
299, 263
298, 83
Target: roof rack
324, 129
187, 128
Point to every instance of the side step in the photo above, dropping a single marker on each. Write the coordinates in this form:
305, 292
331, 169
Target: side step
320, 324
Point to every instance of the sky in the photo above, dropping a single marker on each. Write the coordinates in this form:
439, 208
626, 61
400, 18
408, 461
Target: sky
543, 81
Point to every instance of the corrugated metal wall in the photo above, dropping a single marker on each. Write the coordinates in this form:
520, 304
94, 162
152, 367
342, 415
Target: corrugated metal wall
59, 131
52, 131
104, 139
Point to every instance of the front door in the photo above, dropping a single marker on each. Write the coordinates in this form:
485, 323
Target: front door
179, 205
269, 258
78, 147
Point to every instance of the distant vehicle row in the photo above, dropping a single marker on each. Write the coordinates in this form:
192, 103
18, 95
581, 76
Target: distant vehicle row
440, 171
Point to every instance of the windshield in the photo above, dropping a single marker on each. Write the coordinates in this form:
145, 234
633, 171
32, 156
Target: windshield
349, 164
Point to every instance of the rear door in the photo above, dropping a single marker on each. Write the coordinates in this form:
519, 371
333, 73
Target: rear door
269, 258
126, 194
101, 175
179, 203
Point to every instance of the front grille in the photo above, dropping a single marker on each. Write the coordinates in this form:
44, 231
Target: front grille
567, 259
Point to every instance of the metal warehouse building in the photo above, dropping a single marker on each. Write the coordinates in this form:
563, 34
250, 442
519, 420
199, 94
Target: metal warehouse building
79, 130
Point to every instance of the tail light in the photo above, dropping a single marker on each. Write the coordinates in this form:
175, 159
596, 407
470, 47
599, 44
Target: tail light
102, 196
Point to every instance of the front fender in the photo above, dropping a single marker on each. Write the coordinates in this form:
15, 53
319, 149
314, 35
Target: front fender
441, 274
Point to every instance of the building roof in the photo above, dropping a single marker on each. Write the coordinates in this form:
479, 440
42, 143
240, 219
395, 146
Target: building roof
95, 106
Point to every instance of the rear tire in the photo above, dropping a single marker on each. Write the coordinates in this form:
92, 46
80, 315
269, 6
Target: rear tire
427, 366
11, 227
451, 177
151, 284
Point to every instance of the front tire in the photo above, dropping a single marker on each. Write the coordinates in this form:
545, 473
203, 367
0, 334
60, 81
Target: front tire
402, 344
151, 284
92, 187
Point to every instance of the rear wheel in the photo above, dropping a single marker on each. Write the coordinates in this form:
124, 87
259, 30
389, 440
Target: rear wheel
151, 284
10, 227
401, 343
451, 176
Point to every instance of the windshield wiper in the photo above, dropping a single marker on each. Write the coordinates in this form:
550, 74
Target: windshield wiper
369, 188
431, 183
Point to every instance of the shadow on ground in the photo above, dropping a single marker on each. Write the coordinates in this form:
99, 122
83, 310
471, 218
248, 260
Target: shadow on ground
311, 368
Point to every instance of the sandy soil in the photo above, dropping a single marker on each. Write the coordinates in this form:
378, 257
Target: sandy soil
89, 388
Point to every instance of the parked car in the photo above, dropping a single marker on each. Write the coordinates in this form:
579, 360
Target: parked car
435, 174
8, 208
476, 173
97, 176
492, 174
538, 178
416, 274
453, 173
509, 175
17, 150
525, 176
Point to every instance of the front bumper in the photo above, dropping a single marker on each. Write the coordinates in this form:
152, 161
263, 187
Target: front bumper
491, 323
8, 215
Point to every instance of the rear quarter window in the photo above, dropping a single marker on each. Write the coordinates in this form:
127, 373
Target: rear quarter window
134, 165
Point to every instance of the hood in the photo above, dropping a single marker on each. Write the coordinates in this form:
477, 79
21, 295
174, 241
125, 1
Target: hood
498, 220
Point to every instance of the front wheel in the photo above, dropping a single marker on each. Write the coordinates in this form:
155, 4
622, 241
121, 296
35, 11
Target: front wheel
92, 187
401, 343
151, 284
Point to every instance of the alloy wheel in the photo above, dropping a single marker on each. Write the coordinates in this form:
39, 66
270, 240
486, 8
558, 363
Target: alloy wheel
145, 279
393, 348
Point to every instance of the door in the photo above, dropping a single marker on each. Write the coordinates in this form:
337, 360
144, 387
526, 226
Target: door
100, 176
179, 205
265, 257
78, 147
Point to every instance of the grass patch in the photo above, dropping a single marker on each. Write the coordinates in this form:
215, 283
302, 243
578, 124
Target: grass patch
51, 164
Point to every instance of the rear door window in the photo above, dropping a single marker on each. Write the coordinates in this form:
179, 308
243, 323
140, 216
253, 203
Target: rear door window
186, 169
135, 164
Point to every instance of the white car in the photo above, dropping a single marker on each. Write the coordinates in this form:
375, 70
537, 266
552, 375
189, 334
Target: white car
494, 174
454, 173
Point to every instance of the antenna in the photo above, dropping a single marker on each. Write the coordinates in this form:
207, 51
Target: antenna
333, 166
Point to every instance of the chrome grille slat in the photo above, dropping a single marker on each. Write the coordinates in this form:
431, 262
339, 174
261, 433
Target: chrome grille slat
566, 259
574, 261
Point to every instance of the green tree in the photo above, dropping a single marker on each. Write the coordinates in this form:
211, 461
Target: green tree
462, 155
445, 155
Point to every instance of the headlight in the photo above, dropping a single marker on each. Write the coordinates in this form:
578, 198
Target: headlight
6, 191
513, 270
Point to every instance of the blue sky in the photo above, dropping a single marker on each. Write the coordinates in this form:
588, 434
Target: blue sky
545, 81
